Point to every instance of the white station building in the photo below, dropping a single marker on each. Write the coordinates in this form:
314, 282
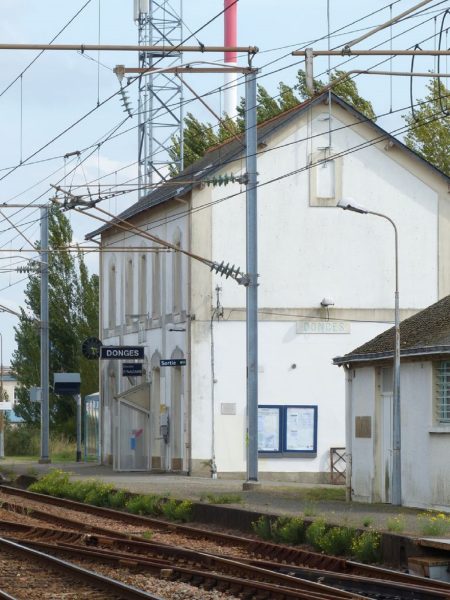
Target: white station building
326, 285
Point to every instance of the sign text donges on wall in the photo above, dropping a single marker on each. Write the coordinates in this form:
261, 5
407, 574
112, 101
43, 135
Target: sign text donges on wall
121, 352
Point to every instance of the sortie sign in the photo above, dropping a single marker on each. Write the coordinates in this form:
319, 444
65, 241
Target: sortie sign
172, 362
121, 352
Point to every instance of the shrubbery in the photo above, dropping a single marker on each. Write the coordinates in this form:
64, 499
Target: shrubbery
338, 541
57, 483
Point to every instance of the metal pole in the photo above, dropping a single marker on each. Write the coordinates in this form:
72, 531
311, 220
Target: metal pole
2, 414
78, 401
45, 458
396, 412
252, 271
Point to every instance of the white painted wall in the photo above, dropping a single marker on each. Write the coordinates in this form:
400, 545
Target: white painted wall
307, 252
314, 381
424, 444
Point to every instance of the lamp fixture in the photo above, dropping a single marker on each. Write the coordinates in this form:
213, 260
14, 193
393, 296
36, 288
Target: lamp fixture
349, 204
326, 302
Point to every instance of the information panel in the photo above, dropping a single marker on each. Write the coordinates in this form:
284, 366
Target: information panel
287, 430
268, 429
300, 428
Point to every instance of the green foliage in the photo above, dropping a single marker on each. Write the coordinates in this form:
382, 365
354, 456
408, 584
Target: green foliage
22, 441
147, 535
25, 440
177, 511
396, 524
429, 128
54, 483
222, 498
73, 316
315, 533
337, 541
262, 528
325, 494
57, 483
310, 510
432, 523
367, 521
288, 530
366, 547
144, 505
199, 137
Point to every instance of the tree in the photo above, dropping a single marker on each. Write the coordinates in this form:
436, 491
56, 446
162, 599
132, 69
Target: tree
73, 316
198, 137
429, 128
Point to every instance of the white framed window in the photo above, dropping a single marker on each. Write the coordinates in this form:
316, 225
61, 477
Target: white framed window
442, 371
142, 308
325, 179
112, 291
156, 285
176, 275
129, 288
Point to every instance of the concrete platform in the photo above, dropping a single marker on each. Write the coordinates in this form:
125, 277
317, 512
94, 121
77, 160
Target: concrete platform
302, 499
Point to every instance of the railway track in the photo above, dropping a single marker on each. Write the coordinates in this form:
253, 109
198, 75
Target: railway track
31, 574
293, 572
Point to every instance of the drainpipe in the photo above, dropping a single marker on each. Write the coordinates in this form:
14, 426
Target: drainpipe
348, 433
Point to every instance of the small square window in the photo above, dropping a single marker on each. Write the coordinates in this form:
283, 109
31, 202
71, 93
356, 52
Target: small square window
443, 392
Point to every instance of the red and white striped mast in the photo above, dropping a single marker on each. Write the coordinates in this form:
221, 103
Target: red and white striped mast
230, 58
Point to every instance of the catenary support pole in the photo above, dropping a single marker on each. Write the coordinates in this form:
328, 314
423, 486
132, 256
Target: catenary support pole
252, 271
78, 401
45, 458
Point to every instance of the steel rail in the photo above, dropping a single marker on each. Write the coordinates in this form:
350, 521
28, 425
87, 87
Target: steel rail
163, 556
170, 554
285, 554
99, 581
264, 581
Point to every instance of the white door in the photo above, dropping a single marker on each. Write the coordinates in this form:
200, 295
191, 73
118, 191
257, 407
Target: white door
386, 434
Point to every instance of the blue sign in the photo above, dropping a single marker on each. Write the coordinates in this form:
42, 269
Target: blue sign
132, 369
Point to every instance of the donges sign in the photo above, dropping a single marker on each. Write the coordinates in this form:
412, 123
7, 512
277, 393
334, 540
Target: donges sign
121, 352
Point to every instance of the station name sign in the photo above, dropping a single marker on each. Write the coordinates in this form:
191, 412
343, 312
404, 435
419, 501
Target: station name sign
172, 362
121, 352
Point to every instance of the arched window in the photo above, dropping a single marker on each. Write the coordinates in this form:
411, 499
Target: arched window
156, 285
112, 295
142, 309
176, 276
129, 287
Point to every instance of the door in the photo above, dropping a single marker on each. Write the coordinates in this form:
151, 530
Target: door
386, 434
133, 443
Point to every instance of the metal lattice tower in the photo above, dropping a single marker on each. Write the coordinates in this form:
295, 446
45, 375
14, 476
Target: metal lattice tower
160, 94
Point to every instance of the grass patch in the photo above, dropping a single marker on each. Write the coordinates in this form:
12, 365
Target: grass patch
337, 541
367, 522
396, 524
221, 498
177, 510
262, 528
57, 483
310, 510
323, 494
288, 530
315, 533
366, 547
145, 505
432, 523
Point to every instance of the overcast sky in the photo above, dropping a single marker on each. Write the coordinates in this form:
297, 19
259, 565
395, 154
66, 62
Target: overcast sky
62, 86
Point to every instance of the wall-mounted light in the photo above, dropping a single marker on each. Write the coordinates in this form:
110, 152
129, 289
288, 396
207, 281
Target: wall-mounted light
326, 302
